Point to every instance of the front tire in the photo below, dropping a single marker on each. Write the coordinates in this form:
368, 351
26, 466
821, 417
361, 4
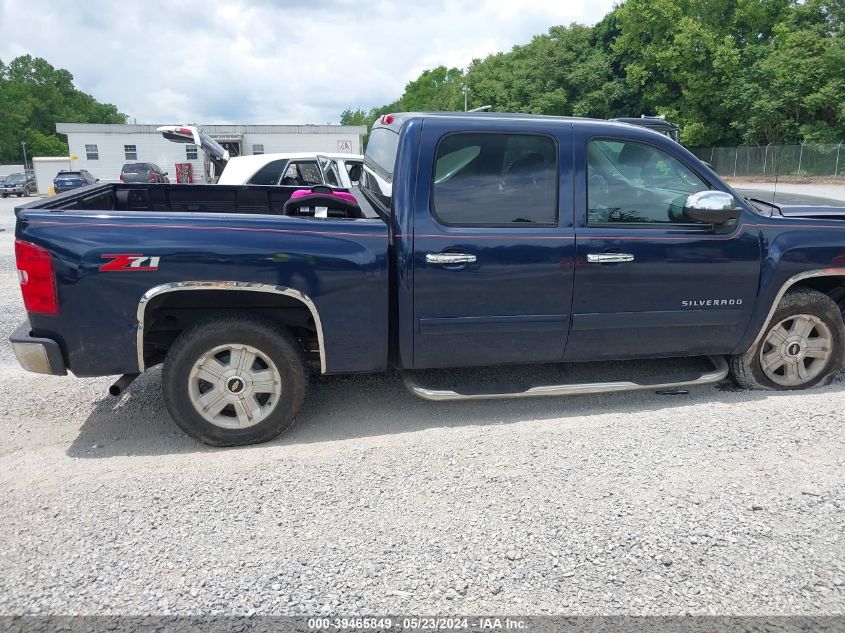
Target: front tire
232, 381
802, 346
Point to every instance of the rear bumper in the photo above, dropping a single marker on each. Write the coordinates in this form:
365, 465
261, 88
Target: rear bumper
39, 355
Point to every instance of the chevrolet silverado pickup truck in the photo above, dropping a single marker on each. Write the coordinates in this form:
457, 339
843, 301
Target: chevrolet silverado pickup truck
481, 240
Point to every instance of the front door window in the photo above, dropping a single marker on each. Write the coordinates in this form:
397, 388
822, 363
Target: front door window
634, 183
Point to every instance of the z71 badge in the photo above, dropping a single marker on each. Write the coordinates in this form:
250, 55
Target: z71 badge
129, 261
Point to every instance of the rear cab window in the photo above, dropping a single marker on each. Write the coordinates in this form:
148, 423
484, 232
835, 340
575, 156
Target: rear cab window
381, 150
379, 162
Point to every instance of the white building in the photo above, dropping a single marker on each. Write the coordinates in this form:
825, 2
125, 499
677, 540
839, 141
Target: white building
46, 168
103, 149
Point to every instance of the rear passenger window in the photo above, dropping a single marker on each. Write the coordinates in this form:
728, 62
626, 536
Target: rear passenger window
483, 179
308, 174
269, 174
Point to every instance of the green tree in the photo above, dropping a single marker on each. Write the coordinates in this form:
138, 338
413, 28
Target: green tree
793, 85
436, 89
354, 117
728, 71
34, 96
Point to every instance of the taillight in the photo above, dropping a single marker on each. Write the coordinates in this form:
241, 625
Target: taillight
121, 177
387, 119
38, 283
151, 176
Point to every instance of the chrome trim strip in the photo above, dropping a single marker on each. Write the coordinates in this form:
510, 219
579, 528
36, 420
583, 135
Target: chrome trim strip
719, 372
225, 285
824, 272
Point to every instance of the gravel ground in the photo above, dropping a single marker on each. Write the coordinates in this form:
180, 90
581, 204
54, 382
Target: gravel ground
719, 501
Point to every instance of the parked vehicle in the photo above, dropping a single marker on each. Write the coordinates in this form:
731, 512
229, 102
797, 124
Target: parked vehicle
302, 169
656, 123
498, 239
18, 185
142, 172
288, 168
67, 180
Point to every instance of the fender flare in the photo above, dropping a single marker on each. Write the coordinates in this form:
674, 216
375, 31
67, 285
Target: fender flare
244, 286
807, 274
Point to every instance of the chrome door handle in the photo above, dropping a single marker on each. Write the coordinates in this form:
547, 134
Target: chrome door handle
449, 258
609, 258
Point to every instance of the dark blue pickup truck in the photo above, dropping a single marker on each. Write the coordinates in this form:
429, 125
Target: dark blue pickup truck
479, 239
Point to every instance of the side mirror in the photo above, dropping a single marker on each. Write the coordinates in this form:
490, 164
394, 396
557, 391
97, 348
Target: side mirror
711, 207
96, 180
165, 173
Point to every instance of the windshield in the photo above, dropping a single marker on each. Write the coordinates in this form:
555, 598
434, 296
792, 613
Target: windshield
16, 178
134, 169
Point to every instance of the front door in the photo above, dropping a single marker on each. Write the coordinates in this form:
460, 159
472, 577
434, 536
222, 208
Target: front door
650, 283
493, 246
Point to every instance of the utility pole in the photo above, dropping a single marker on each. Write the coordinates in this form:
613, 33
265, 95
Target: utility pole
466, 91
23, 144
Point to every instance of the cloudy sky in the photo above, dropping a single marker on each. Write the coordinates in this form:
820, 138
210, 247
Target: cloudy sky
265, 61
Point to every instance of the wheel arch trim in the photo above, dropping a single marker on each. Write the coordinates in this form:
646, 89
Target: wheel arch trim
789, 283
243, 286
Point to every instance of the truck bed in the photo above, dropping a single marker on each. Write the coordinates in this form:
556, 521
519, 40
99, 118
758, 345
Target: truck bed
178, 198
203, 237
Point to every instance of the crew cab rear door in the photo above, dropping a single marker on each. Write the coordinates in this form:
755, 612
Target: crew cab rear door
648, 282
493, 243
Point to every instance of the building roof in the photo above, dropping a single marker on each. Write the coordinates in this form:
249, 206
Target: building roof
211, 130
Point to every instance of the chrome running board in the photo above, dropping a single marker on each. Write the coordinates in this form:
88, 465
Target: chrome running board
719, 372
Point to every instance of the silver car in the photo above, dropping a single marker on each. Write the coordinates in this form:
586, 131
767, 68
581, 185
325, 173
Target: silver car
18, 185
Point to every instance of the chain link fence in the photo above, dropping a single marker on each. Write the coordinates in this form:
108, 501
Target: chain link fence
769, 161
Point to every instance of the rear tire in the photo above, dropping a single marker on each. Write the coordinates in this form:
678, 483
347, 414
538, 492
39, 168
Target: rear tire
231, 381
802, 346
